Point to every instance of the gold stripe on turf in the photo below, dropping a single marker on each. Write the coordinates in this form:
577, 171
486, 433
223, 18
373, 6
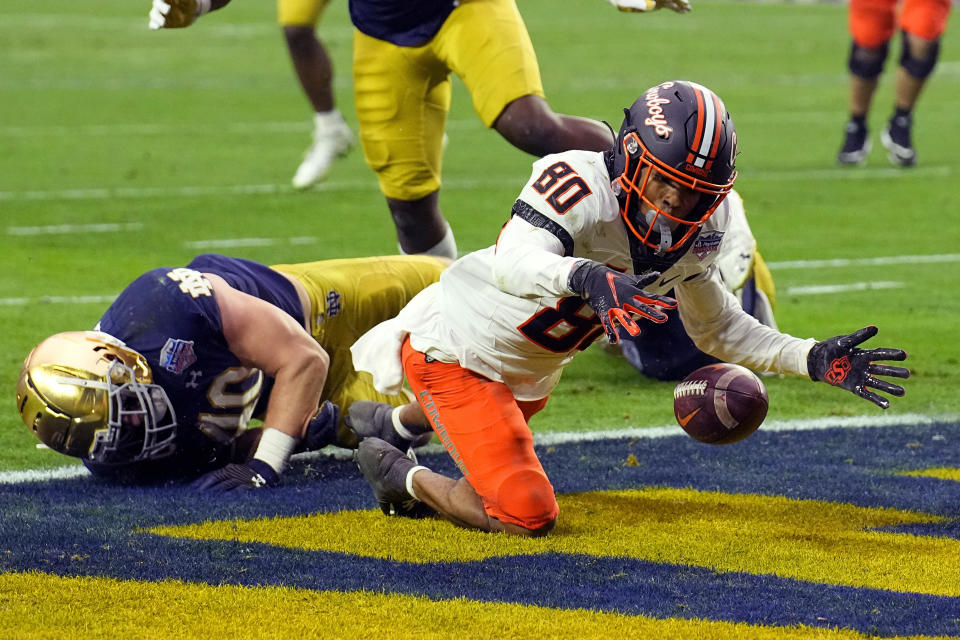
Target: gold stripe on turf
810, 540
37, 606
942, 473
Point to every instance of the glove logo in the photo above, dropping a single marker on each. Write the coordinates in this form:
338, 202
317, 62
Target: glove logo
838, 371
611, 282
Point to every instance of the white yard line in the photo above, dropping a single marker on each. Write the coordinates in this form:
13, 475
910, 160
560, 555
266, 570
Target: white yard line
193, 191
548, 439
92, 299
70, 229
863, 262
230, 243
817, 289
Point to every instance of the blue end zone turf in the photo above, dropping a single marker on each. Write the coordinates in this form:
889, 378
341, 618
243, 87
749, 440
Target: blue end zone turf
78, 527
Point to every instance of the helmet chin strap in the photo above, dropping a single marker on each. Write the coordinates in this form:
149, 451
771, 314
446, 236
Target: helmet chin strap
653, 219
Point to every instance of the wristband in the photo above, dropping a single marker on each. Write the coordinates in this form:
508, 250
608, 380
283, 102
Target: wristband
409, 480
203, 6
401, 430
275, 448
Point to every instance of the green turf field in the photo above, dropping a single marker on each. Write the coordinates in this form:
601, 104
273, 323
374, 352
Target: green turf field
185, 141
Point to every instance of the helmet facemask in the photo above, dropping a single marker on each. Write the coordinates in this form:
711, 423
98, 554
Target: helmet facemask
656, 228
141, 423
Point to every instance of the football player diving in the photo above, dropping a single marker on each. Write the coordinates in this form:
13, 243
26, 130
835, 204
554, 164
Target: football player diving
594, 242
165, 386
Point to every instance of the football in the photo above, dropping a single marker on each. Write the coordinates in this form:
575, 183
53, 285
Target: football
720, 403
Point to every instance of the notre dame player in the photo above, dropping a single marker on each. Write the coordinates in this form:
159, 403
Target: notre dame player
166, 385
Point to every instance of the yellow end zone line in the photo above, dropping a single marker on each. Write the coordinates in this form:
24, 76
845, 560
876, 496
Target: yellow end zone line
38, 605
809, 540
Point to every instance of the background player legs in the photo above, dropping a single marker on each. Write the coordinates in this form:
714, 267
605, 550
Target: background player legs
421, 227
332, 136
872, 26
908, 86
918, 58
865, 64
312, 64
861, 95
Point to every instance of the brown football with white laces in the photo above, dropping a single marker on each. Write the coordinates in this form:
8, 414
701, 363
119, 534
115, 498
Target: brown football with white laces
720, 403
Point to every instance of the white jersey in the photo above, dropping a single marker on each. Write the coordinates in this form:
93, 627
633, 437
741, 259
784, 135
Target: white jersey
507, 312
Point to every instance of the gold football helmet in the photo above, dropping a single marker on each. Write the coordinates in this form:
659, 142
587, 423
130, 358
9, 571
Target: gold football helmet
85, 394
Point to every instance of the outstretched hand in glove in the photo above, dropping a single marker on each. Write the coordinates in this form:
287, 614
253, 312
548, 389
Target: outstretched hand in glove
841, 363
616, 297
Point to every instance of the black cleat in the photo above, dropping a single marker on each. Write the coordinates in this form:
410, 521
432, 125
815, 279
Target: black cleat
385, 469
856, 146
896, 139
373, 420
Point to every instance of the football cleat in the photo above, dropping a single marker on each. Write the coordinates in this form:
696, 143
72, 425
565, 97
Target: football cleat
385, 469
330, 141
375, 420
856, 146
896, 140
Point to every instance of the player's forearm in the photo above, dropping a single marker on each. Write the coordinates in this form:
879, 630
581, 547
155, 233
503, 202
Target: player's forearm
529, 263
293, 402
717, 325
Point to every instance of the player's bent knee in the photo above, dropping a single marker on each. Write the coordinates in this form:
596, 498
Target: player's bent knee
867, 63
917, 64
527, 498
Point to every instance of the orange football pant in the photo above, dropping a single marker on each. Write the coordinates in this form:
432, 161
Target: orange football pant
484, 429
872, 22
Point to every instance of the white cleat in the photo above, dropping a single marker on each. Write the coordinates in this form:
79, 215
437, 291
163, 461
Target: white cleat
331, 140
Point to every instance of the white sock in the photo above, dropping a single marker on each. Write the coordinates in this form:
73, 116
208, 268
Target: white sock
409, 481
405, 433
446, 248
327, 120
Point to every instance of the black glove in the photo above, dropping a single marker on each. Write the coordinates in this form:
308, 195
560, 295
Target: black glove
615, 296
322, 428
837, 361
253, 474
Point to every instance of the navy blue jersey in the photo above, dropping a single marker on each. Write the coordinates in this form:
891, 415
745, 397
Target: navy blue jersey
171, 317
406, 23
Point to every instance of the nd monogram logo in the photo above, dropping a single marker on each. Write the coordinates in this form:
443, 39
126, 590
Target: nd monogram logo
191, 282
838, 371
